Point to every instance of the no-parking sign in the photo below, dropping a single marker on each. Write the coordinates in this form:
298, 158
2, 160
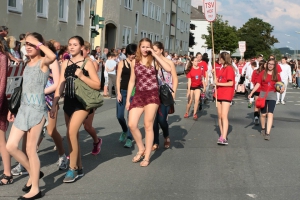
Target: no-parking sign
210, 11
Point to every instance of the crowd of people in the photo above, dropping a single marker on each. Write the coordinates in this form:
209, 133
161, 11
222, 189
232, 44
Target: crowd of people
135, 74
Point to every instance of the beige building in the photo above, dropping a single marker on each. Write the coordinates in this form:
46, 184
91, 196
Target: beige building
127, 21
54, 19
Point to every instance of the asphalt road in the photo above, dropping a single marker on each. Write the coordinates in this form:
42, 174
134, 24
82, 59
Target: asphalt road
195, 167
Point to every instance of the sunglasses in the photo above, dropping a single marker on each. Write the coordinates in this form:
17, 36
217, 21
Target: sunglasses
29, 44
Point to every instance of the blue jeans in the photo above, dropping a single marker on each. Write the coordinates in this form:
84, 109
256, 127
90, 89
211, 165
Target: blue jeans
161, 119
298, 81
120, 114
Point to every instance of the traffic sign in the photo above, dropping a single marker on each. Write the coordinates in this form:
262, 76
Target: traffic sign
242, 46
210, 11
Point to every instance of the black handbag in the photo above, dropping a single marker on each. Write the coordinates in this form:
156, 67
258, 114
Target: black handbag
15, 99
165, 94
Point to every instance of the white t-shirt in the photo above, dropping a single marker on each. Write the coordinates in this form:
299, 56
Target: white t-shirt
110, 64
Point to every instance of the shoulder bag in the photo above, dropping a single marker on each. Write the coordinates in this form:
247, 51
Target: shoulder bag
165, 94
15, 99
89, 97
261, 101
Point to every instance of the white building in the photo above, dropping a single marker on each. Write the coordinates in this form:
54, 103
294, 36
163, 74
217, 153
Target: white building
200, 28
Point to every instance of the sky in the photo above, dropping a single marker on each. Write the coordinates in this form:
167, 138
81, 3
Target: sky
284, 15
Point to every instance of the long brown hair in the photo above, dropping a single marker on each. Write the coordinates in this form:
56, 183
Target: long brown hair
138, 56
274, 71
261, 66
227, 59
1, 47
190, 65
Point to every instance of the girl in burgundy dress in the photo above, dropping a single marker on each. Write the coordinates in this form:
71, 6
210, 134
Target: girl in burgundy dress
6, 178
146, 98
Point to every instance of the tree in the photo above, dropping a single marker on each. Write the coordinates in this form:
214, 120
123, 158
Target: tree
225, 36
192, 37
258, 37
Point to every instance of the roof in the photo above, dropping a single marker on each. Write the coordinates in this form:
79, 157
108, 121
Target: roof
196, 13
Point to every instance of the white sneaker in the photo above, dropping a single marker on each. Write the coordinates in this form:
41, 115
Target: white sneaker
277, 102
256, 121
283, 102
62, 162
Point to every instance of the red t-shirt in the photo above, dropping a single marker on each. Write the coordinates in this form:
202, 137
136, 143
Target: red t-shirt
203, 66
218, 68
196, 77
278, 68
264, 84
254, 79
225, 75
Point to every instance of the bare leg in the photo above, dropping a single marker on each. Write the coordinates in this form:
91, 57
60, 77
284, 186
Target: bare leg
269, 123
133, 120
190, 100
73, 125
88, 126
150, 113
219, 107
197, 98
5, 156
263, 120
224, 116
52, 131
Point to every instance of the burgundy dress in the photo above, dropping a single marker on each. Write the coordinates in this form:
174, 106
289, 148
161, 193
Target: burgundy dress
146, 91
3, 99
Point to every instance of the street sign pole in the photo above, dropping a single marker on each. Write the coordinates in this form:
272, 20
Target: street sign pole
210, 14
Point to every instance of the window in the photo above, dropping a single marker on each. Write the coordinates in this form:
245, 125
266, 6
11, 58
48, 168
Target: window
167, 18
128, 4
167, 43
152, 10
63, 10
181, 25
151, 36
158, 13
143, 34
178, 23
145, 7
164, 8
156, 37
171, 45
42, 8
183, 6
126, 36
136, 27
162, 31
80, 12
15, 6
179, 3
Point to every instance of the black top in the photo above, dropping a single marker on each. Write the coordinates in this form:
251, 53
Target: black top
70, 77
125, 76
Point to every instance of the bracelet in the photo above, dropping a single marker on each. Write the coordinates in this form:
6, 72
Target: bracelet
38, 45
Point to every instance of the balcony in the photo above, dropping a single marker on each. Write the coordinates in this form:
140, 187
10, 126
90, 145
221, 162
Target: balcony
172, 31
174, 7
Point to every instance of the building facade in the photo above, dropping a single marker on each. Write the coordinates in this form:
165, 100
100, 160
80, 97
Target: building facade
54, 19
200, 28
128, 21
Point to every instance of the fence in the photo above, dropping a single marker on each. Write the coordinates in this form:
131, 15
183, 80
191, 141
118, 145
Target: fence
14, 78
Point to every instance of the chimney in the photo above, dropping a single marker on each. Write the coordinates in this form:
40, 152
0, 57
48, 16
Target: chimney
200, 9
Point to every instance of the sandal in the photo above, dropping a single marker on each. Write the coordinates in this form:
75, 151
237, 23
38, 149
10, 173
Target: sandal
167, 143
144, 161
138, 157
9, 179
155, 147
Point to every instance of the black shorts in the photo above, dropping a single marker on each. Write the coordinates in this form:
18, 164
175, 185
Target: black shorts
255, 94
269, 107
196, 88
71, 105
221, 100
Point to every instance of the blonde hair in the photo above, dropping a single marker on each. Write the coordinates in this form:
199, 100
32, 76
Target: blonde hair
138, 57
87, 45
11, 41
